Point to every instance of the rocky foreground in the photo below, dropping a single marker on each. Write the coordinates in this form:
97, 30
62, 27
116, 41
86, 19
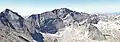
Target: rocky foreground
59, 25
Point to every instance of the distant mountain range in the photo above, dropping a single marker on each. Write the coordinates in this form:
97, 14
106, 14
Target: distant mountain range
39, 27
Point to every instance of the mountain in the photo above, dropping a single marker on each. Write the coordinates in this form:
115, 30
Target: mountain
52, 21
59, 25
13, 28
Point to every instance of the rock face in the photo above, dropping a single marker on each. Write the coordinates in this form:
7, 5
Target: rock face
46, 24
13, 29
12, 17
93, 19
52, 21
59, 25
37, 36
94, 33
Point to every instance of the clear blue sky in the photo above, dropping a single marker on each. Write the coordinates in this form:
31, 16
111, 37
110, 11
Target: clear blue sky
27, 7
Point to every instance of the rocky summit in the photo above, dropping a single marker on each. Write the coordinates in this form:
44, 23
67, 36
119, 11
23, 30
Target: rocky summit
59, 25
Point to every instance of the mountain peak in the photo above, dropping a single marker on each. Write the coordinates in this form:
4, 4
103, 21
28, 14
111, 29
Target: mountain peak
65, 8
12, 17
7, 10
62, 10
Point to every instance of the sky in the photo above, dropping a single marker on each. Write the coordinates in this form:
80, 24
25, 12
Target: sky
28, 7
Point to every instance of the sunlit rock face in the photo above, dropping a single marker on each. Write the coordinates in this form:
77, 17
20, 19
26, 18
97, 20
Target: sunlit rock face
95, 33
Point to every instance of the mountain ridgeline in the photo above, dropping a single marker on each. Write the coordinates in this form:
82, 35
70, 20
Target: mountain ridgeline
14, 28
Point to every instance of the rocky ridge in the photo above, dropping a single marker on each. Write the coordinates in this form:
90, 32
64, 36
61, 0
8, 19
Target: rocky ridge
59, 25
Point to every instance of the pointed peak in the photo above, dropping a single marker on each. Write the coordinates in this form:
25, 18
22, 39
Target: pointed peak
7, 10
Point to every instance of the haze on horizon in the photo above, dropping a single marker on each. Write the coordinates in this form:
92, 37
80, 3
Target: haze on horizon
28, 7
